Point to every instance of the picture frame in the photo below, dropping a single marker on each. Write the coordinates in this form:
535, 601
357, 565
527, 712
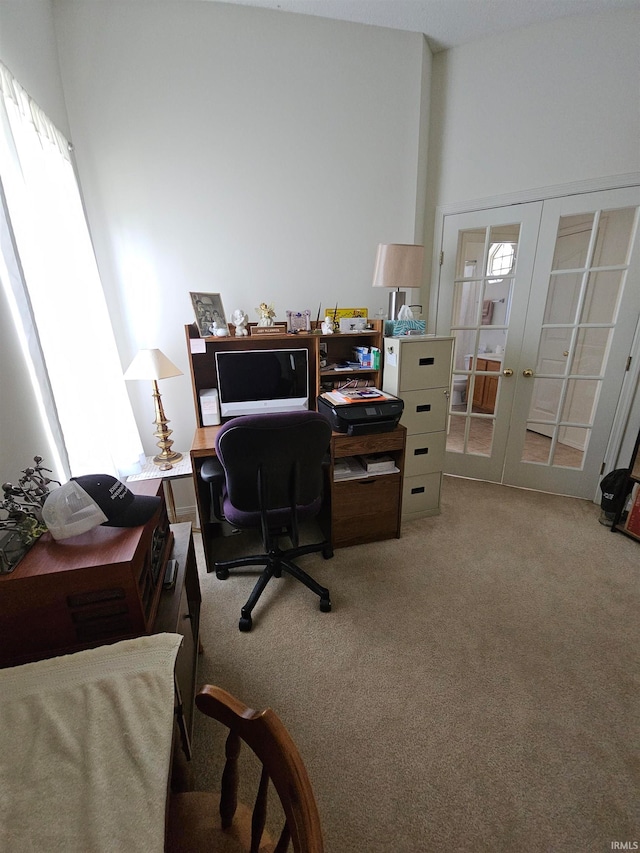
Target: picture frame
299, 321
208, 309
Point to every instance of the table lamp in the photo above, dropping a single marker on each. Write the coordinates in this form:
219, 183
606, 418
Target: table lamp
398, 265
153, 364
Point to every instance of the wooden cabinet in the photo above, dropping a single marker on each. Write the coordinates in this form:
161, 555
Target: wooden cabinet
366, 508
485, 389
323, 374
179, 613
104, 586
418, 370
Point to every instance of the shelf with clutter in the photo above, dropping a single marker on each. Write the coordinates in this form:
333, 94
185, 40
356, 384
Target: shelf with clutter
332, 358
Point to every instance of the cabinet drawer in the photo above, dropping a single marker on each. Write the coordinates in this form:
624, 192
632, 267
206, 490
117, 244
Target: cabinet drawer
424, 364
354, 445
425, 411
365, 510
425, 453
421, 495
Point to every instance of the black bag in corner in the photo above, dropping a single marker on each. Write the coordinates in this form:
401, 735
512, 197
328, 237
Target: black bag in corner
616, 488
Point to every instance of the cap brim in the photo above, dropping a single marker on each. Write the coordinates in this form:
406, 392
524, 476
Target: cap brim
139, 511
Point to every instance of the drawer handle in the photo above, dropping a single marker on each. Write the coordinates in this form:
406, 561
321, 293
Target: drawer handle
418, 490
426, 407
426, 361
421, 451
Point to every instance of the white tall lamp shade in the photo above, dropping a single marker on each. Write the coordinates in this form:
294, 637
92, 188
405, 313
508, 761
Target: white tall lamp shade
154, 365
398, 265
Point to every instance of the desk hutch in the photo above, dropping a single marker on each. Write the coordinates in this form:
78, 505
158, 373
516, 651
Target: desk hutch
361, 510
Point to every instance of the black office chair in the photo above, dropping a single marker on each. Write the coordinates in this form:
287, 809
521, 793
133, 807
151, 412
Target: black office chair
269, 470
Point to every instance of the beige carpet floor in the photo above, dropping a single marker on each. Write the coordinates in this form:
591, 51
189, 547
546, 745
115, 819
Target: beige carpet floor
475, 687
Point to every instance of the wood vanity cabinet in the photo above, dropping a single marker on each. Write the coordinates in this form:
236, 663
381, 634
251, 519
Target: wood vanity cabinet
485, 389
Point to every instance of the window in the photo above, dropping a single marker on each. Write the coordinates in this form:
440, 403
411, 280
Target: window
51, 278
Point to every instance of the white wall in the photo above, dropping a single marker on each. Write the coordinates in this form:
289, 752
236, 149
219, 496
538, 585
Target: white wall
28, 49
257, 154
545, 105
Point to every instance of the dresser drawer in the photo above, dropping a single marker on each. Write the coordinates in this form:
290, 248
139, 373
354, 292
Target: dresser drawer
425, 453
426, 410
365, 510
421, 495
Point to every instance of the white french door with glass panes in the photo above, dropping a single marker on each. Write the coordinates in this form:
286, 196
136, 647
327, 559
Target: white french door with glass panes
543, 301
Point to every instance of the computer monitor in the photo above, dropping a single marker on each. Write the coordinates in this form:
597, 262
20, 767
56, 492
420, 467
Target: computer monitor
252, 382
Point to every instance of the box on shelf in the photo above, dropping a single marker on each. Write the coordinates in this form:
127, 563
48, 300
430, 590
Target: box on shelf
377, 463
367, 357
401, 327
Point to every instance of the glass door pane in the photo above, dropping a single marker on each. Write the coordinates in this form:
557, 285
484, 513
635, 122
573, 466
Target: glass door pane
484, 309
581, 339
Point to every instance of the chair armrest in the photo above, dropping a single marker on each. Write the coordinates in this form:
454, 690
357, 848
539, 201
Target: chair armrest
212, 473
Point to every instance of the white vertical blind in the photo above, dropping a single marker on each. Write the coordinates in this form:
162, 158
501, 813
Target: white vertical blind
63, 300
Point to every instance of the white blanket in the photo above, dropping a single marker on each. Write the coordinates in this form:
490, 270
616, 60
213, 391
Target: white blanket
85, 745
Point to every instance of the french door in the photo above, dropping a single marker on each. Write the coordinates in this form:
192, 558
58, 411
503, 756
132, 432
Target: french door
543, 301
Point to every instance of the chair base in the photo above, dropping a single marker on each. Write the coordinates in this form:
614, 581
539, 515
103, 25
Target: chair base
276, 562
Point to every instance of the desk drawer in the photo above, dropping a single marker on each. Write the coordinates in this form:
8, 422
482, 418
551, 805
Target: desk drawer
425, 411
425, 453
365, 510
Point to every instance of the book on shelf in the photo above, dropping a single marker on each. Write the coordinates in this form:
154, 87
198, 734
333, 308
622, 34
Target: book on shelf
632, 524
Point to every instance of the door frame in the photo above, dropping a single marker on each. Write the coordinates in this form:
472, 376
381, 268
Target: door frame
629, 400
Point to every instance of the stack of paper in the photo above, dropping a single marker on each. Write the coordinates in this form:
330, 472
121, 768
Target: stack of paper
347, 468
357, 395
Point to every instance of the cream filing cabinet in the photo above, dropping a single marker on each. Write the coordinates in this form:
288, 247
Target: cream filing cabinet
417, 368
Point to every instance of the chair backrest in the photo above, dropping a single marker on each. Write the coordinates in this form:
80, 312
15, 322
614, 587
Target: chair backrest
273, 461
266, 735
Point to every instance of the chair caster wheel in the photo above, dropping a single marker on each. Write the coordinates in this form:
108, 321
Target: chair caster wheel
245, 623
327, 552
325, 605
222, 574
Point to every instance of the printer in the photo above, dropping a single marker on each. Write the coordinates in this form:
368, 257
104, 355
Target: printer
361, 416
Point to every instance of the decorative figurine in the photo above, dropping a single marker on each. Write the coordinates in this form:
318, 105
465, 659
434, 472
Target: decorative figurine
327, 326
240, 322
266, 314
218, 326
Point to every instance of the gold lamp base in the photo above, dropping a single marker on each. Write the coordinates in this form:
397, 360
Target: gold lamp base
167, 457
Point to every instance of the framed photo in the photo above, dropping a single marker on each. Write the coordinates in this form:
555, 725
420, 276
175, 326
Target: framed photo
299, 321
209, 313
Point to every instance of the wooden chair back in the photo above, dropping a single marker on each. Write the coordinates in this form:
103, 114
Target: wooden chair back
210, 822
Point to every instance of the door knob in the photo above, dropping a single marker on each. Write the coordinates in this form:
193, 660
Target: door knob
527, 372
507, 371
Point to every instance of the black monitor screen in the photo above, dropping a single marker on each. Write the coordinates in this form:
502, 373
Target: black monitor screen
249, 380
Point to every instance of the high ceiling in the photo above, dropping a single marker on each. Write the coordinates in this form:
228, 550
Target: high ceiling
445, 23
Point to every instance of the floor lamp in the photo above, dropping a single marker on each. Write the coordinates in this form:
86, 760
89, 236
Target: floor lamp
398, 265
154, 365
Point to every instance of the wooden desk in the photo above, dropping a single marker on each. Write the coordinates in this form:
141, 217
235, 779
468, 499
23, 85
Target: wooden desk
367, 509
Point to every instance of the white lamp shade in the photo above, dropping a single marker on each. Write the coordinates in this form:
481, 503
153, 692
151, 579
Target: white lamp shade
151, 364
398, 265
